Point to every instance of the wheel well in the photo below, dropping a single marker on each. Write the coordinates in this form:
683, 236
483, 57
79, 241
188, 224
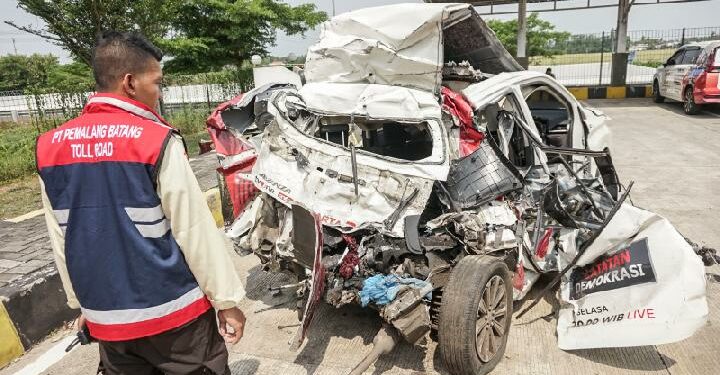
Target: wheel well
687, 87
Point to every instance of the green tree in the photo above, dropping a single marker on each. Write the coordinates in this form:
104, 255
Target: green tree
542, 38
73, 77
198, 35
210, 34
20, 72
75, 24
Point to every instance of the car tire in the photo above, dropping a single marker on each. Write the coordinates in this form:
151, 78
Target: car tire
657, 98
689, 105
472, 342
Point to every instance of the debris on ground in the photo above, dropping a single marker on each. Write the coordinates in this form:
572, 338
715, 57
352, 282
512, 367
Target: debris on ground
708, 255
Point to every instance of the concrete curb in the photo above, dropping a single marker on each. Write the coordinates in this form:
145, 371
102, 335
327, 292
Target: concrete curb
611, 92
10, 345
34, 305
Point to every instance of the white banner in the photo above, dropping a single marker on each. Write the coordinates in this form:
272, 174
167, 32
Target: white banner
639, 283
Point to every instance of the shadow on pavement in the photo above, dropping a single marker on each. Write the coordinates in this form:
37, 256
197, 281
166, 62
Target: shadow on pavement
355, 324
347, 322
244, 367
550, 298
258, 284
358, 326
668, 105
677, 107
641, 358
405, 356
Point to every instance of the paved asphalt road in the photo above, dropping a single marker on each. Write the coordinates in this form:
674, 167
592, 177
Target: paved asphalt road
675, 162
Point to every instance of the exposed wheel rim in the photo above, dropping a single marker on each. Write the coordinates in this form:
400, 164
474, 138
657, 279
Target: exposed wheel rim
491, 315
689, 101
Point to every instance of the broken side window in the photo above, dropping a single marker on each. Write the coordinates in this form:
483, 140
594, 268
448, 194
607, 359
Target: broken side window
501, 127
386, 138
550, 113
690, 56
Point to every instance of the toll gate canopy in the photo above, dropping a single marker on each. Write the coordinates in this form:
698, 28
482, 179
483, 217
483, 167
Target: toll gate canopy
557, 5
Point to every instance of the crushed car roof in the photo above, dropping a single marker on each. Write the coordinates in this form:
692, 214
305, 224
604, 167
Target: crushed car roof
404, 45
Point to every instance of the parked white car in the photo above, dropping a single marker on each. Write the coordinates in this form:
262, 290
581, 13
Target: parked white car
690, 76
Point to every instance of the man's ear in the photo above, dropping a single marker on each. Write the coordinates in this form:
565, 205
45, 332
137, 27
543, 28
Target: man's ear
128, 85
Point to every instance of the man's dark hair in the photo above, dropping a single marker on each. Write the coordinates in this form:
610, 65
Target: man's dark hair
116, 54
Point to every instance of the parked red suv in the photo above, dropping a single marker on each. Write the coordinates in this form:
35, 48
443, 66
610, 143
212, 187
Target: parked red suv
691, 75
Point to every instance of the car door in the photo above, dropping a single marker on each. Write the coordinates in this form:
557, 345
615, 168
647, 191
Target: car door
669, 86
685, 66
660, 75
662, 72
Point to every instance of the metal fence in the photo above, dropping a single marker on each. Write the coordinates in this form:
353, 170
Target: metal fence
586, 59
18, 106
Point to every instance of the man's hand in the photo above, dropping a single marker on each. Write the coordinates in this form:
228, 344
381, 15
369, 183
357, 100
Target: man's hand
80, 322
235, 320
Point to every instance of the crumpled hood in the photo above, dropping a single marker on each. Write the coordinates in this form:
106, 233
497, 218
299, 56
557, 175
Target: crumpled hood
404, 45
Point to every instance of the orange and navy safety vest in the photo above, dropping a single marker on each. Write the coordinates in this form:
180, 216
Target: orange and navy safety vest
100, 174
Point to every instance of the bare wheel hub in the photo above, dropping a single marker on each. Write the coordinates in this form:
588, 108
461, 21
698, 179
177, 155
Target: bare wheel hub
491, 314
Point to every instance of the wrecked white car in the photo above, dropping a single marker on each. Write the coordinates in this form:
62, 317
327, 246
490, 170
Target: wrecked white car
422, 173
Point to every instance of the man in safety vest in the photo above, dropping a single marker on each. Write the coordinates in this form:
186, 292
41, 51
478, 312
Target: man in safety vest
134, 241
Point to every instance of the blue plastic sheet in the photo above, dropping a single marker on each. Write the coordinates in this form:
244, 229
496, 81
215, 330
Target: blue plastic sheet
382, 289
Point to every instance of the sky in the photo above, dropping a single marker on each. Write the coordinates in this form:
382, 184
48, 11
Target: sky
642, 17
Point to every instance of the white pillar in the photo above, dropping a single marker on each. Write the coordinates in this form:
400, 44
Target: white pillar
618, 72
622, 26
522, 29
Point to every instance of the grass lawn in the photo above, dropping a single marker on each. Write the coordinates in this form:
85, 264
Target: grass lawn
643, 57
19, 197
19, 187
17, 150
191, 124
22, 195
191, 140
